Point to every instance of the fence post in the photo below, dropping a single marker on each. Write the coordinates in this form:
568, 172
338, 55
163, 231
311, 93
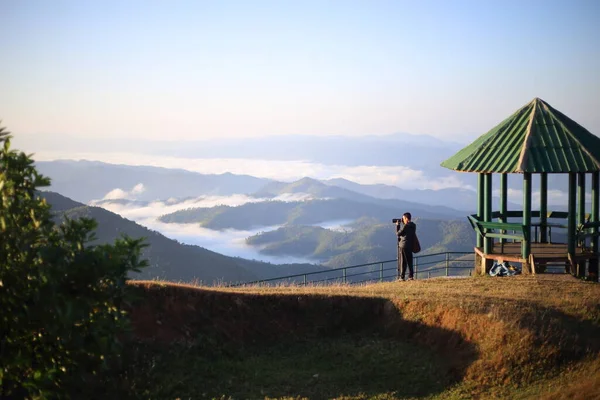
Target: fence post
304, 279
381, 272
416, 262
344, 275
447, 262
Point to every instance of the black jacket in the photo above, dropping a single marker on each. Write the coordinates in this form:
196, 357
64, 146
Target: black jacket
406, 235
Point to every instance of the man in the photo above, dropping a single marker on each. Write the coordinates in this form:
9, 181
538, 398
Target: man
406, 240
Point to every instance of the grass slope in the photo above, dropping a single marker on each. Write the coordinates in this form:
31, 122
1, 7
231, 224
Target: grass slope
519, 337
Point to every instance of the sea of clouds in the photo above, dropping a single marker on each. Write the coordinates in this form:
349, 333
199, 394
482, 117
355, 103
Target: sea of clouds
229, 242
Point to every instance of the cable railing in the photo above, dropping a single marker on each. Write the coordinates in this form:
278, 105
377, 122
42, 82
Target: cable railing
450, 263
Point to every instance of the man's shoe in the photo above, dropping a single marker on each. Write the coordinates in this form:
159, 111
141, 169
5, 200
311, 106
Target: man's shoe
411, 278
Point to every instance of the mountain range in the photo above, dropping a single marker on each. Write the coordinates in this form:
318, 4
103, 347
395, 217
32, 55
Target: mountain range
295, 216
91, 180
87, 181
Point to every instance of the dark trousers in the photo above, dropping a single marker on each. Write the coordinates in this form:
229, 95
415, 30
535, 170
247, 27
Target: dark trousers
405, 259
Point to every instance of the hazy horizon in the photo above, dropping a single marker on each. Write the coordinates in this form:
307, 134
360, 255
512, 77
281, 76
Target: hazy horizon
285, 171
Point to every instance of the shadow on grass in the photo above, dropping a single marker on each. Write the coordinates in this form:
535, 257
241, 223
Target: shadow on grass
355, 367
205, 344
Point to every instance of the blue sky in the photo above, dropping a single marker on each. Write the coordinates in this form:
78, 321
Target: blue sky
179, 70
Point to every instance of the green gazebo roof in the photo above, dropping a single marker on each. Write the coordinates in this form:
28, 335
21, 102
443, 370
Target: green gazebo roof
536, 138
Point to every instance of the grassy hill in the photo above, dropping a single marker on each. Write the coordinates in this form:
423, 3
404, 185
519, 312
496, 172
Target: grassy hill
524, 337
364, 242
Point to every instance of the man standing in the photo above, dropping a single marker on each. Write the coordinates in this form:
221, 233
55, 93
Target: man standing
406, 241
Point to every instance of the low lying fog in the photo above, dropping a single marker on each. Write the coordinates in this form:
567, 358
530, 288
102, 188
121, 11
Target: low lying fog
228, 242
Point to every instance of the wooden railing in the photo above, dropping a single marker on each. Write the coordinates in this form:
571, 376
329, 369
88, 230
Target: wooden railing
518, 231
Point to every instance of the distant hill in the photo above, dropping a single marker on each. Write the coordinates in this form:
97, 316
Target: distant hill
457, 198
169, 259
90, 180
269, 213
460, 199
362, 242
313, 187
345, 189
59, 202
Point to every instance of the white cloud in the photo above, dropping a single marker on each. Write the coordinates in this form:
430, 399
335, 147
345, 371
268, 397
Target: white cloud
118, 193
138, 189
157, 208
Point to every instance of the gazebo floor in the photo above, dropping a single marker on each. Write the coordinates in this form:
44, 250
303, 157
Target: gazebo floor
542, 252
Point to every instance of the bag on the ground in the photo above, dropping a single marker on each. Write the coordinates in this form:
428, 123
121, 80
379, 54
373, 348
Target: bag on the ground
504, 269
416, 245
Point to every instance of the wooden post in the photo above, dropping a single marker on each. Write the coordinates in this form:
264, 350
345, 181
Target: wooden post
447, 263
580, 198
581, 216
571, 219
487, 211
480, 194
526, 245
593, 268
503, 203
543, 207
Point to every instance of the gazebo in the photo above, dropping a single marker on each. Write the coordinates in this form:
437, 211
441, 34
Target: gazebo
536, 139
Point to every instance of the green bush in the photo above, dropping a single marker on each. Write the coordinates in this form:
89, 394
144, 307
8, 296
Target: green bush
61, 298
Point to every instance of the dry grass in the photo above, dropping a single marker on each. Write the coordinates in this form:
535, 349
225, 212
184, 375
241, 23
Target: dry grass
498, 337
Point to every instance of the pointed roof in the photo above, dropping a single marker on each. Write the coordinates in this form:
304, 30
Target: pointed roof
536, 138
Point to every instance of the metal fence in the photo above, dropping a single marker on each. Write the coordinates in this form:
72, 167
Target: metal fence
448, 264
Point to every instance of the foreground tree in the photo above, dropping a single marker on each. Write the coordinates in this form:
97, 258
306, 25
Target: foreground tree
61, 298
